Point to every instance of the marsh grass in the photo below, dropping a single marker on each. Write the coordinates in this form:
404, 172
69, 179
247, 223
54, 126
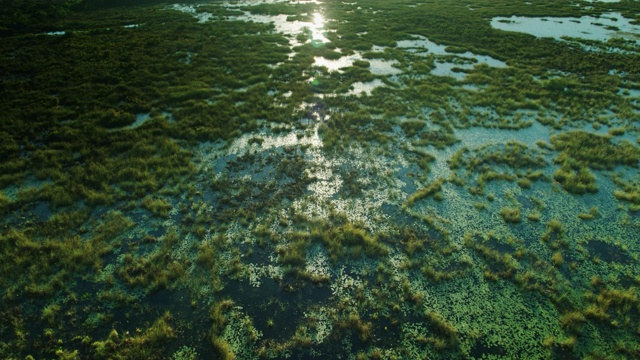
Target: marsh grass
70, 156
147, 344
630, 192
510, 214
591, 214
48, 263
354, 323
446, 334
347, 241
158, 207
430, 189
595, 151
575, 178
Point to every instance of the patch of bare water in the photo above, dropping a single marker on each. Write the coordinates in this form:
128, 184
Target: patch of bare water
423, 46
359, 88
602, 28
376, 66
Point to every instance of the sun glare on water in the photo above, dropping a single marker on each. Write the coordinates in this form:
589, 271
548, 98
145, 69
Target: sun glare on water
318, 21
316, 29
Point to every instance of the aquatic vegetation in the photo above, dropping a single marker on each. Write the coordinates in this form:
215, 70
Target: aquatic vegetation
185, 353
573, 321
557, 260
158, 207
533, 216
153, 272
349, 240
575, 178
630, 193
46, 264
591, 214
443, 329
595, 151
412, 127
223, 349
498, 163
4, 203
613, 307
274, 177
510, 214
355, 323
147, 344
431, 189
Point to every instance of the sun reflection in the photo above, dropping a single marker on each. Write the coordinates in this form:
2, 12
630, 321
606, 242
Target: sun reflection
316, 30
318, 21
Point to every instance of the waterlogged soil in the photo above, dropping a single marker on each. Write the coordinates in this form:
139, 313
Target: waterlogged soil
320, 179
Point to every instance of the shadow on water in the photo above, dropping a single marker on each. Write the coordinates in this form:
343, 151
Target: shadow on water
276, 307
481, 350
607, 252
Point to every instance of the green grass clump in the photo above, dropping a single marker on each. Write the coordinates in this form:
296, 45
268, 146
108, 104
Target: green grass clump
10, 148
630, 194
576, 179
145, 345
524, 183
458, 160
573, 321
50, 312
279, 9
430, 189
219, 319
351, 125
154, 271
512, 154
354, 323
557, 259
158, 207
533, 216
591, 214
614, 307
218, 10
617, 131
500, 265
633, 197
4, 203
440, 138
595, 151
348, 240
436, 275
38, 265
446, 334
554, 237
114, 118
222, 348
424, 158
499, 162
361, 63
510, 214
412, 128
218, 315
294, 252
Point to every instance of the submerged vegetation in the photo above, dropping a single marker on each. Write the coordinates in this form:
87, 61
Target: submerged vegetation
375, 179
